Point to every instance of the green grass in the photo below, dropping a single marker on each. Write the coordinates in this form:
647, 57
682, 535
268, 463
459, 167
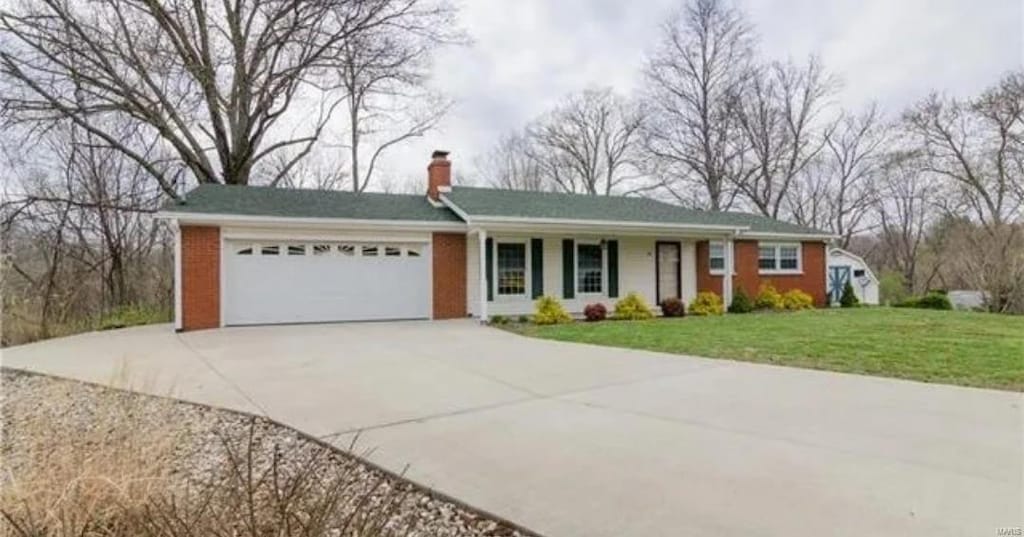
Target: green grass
950, 347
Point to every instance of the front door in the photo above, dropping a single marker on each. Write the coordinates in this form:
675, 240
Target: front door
837, 278
667, 268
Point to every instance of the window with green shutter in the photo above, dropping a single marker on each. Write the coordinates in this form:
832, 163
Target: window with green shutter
568, 268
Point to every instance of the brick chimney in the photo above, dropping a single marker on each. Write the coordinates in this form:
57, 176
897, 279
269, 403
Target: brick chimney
439, 174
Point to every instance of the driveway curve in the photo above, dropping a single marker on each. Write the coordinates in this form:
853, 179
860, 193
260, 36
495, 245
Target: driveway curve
580, 440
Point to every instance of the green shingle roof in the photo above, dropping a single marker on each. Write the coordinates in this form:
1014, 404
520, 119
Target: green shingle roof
474, 202
487, 202
305, 203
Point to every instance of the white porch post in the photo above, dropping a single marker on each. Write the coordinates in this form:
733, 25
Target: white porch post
482, 309
729, 269
177, 275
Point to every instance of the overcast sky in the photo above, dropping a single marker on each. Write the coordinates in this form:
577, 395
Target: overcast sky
527, 54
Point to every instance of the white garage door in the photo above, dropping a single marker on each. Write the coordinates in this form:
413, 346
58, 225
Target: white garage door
303, 282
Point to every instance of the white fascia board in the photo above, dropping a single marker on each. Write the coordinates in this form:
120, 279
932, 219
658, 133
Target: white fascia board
522, 223
454, 208
764, 235
308, 222
604, 228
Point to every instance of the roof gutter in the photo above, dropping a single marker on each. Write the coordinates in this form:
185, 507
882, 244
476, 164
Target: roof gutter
772, 235
292, 221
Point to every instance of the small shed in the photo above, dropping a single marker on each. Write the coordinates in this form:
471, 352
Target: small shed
846, 266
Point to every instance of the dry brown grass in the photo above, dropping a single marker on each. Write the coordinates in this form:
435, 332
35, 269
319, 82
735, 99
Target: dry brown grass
60, 479
152, 467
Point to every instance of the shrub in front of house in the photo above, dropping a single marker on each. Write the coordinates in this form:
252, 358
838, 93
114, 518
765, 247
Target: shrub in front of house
768, 298
633, 307
524, 319
931, 301
550, 311
741, 303
849, 297
707, 303
499, 319
595, 312
795, 299
935, 300
673, 307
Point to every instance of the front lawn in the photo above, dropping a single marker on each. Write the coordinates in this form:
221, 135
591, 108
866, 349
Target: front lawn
969, 349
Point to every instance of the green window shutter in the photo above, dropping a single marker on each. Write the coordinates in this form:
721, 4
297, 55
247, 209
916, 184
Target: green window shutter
613, 269
568, 268
537, 266
489, 257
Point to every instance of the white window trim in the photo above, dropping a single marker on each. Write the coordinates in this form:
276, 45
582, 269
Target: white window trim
576, 268
720, 271
528, 276
716, 271
778, 257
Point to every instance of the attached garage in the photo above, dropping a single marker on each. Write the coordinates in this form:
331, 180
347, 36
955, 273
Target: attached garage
269, 281
249, 255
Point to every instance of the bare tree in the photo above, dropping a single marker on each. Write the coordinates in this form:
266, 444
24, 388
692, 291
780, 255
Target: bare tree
323, 169
979, 146
80, 240
779, 113
511, 165
905, 212
838, 193
589, 143
692, 77
384, 75
210, 81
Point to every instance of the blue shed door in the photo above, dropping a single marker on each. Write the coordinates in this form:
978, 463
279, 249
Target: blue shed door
837, 278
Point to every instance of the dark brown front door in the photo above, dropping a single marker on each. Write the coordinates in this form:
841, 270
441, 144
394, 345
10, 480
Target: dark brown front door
667, 270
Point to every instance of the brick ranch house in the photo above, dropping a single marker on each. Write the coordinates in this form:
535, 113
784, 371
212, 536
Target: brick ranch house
256, 255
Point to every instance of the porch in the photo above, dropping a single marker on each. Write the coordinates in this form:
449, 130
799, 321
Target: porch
586, 267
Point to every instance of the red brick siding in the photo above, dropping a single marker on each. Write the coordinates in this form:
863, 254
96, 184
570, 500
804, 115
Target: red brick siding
747, 276
705, 280
449, 252
812, 281
200, 277
439, 174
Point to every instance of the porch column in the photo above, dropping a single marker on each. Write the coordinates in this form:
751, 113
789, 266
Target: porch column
728, 270
482, 276
177, 275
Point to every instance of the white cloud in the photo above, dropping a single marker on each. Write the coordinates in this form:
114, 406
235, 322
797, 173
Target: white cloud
529, 53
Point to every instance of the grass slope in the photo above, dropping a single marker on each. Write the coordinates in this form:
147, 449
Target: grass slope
969, 349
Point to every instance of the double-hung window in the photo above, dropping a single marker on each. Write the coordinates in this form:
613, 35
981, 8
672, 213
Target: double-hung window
589, 268
716, 256
781, 257
511, 268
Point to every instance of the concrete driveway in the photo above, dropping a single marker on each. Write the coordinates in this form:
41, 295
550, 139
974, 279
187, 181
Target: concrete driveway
578, 440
